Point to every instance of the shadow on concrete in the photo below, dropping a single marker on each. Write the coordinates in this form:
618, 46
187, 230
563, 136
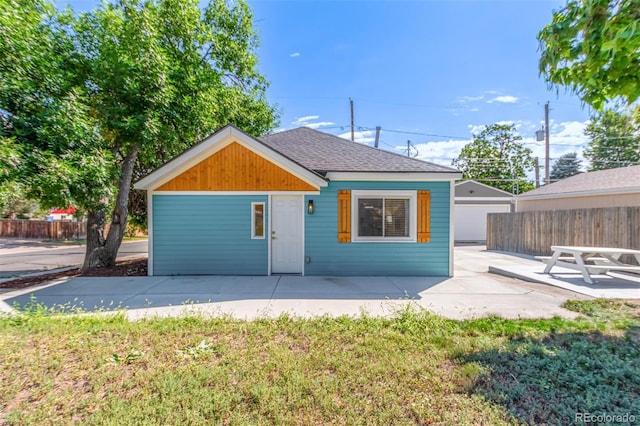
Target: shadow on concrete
614, 285
96, 293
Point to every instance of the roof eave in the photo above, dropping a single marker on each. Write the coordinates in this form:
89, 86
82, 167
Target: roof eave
589, 193
472, 182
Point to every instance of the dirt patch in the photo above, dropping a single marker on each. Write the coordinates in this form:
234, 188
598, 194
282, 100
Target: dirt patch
124, 268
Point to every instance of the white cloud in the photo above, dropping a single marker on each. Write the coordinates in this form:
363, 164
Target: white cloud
522, 127
301, 121
570, 129
310, 121
294, 55
564, 137
474, 129
467, 99
503, 99
367, 137
442, 152
319, 124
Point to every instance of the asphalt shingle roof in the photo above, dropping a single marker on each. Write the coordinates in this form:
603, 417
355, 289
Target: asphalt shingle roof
611, 180
322, 152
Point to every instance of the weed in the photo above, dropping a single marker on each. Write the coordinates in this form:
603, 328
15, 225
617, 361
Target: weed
127, 359
201, 349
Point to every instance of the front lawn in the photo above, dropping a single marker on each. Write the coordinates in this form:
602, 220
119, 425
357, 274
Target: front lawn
414, 369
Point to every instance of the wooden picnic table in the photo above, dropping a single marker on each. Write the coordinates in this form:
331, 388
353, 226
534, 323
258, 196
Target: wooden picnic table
604, 259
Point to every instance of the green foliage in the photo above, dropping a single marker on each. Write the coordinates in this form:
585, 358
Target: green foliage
495, 158
99, 99
591, 47
46, 110
614, 140
565, 166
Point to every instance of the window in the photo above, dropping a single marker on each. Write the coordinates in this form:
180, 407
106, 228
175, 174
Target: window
384, 216
257, 221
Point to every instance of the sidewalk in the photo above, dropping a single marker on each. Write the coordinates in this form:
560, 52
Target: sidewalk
473, 292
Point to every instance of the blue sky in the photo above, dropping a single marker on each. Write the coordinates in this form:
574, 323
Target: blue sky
433, 72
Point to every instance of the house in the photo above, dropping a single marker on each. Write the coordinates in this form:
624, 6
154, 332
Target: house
61, 214
298, 202
604, 188
473, 200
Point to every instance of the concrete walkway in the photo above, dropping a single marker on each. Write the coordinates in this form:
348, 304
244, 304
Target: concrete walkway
473, 292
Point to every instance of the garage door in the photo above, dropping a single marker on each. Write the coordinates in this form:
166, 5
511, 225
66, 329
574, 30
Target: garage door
470, 220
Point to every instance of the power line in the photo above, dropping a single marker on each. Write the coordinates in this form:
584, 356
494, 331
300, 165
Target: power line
406, 132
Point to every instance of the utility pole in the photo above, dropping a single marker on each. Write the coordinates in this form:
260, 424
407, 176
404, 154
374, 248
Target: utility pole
408, 147
547, 180
537, 168
377, 136
352, 127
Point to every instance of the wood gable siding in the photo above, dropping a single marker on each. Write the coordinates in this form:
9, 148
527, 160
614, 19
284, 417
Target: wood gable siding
236, 168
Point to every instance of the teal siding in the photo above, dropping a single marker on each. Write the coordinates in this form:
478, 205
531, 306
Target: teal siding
328, 257
206, 235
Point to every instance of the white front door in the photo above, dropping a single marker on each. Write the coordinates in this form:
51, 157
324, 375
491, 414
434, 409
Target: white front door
286, 234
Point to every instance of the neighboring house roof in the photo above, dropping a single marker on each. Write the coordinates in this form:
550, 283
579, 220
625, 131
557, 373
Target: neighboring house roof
68, 210
322, 153
611, 181
471, 188
309, 154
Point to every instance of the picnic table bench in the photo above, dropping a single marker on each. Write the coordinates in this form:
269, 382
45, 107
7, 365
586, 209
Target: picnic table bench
601, 260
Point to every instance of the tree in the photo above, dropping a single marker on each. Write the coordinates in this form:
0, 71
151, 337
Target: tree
614, 140
593, 48
565, 166
51, 143
119, 91
495, 158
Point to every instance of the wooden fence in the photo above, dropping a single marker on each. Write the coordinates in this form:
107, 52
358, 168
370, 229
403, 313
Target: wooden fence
42, 229
535, 232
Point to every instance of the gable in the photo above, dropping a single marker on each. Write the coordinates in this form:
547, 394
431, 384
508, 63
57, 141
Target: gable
236, 168
473, 189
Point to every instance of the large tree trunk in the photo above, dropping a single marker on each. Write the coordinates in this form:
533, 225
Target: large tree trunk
103, 251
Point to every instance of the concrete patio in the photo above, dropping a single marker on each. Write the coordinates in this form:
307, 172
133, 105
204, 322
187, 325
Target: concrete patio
473, 292
614, 285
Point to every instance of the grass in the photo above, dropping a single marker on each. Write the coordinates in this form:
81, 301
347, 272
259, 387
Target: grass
415, 368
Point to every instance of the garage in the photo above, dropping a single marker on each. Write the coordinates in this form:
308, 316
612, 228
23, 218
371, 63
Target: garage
473, 201
471, 220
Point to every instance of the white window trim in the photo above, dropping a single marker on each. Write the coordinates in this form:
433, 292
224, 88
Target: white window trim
413, 213
253, 221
